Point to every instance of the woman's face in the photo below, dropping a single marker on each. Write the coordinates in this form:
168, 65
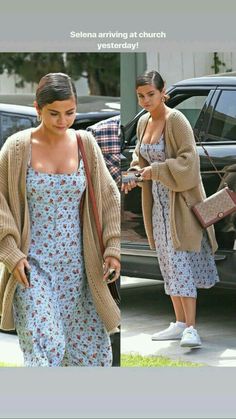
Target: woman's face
149, 97
58, 116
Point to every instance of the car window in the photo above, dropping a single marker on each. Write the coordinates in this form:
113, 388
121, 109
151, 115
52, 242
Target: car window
191, 107
190, 104
223, 123
12, 123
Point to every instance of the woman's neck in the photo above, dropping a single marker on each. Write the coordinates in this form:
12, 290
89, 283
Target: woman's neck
48, 137
159, 113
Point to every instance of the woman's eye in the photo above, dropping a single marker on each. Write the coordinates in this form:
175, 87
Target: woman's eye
70, 113
53, 114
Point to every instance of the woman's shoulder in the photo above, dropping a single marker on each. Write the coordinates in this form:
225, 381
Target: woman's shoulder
90, 144
176, 116
143, 119
17, 139
142, 122
87, 138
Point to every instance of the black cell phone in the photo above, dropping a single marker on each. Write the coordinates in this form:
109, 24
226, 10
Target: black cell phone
27, 274
111, 275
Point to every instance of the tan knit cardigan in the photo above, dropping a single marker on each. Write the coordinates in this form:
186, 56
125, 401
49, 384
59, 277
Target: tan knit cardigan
15, 224
180, 173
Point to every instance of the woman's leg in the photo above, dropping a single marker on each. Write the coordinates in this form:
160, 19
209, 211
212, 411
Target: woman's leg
178, 309
190, 336
189, 308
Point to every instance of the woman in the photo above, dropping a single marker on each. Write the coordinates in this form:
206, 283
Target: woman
168, 162
53, 288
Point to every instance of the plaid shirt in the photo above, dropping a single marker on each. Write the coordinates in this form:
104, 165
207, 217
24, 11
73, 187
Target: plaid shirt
107, 134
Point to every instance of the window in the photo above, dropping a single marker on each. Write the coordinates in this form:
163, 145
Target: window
223, 124
191, 107
12, 123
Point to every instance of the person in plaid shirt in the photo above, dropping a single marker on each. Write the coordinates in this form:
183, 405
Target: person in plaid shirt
107, 134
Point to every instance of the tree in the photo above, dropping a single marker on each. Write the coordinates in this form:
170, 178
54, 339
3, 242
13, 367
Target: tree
30, 67
217, 63
102, 70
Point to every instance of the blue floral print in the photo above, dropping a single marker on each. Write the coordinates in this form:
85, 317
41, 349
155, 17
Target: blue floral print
55, 319
183, 271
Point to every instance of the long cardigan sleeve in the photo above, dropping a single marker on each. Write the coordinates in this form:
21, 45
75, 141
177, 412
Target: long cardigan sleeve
10, 254
110, 196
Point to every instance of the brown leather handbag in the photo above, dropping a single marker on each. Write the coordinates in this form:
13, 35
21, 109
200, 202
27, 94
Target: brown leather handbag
217, 206
113, 285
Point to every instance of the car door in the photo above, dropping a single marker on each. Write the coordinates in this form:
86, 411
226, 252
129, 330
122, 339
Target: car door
218, 135
13, 122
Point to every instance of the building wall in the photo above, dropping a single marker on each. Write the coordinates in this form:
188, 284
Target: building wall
8, 85
132, 64
172, 66
183, 65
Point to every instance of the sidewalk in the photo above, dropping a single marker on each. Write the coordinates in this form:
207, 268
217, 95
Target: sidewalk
10, 350
146, 309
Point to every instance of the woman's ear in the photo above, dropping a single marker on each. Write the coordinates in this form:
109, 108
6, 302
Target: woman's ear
38, 111
163, 92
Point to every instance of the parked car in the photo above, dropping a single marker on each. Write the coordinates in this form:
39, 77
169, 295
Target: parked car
209, 103
86, 103
14, 118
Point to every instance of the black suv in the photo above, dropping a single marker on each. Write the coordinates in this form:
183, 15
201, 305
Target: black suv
14, 118
209, 103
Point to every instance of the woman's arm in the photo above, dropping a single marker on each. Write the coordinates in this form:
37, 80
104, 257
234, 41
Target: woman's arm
134, 165
10, 254
110, 212
108, 197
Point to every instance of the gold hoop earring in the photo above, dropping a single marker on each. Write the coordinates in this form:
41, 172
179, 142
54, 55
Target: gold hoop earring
39, 119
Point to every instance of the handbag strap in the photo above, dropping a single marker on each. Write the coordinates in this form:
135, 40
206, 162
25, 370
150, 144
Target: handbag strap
91, 192
210, 159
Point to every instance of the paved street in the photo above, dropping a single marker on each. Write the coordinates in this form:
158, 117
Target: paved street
146, 309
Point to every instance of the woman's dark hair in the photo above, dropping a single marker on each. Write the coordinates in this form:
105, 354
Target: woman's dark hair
55, 86
151, 77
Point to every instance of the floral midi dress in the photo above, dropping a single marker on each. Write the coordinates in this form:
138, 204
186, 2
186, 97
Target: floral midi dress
55, 319
183, 271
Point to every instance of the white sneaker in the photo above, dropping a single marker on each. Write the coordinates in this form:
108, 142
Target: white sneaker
173, 332
190, 338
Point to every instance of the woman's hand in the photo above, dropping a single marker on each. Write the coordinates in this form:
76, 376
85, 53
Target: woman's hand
127, 187
111, 265
19, 272
146, 173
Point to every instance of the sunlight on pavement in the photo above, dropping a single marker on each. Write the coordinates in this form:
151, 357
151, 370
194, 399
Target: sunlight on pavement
229, 356
142, 344
10, 350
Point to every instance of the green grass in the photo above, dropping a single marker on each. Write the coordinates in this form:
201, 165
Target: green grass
135, 360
